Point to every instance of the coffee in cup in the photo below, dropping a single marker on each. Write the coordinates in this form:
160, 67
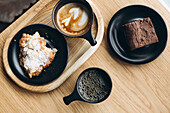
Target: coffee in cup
73, 19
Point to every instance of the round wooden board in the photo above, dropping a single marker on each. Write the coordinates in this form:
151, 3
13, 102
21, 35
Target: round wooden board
98, 30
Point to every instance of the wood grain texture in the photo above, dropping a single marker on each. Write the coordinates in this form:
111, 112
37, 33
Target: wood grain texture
79, 51
138, 88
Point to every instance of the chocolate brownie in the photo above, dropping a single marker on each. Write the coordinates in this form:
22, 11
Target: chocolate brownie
140, 33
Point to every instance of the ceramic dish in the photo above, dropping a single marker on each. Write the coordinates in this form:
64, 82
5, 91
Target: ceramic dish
116, 38
92, 77
53, 39
86, 35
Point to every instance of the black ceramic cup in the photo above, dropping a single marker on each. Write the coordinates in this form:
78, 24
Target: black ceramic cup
77, 93
88, 33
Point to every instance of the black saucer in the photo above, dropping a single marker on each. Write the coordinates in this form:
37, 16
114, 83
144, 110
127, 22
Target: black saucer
53, 39
117, 41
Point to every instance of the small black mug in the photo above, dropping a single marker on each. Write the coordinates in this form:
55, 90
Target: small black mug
88, 33
75, 95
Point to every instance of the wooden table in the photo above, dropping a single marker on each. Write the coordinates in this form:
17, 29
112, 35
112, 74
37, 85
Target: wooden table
137, 88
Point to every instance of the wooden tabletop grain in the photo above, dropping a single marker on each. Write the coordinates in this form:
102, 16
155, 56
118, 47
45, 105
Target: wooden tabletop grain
137, 88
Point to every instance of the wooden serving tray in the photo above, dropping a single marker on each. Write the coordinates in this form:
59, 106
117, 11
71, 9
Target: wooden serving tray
79, 49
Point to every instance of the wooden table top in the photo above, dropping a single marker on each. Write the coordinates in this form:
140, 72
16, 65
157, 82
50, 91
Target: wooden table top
137, 88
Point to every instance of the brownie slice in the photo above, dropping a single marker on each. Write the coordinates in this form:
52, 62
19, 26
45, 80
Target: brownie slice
140, 33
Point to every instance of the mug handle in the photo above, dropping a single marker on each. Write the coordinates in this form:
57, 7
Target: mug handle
72, 97
89, 37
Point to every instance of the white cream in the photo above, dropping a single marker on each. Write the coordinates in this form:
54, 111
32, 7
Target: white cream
75, 12
84, 19
35, 57
66, 21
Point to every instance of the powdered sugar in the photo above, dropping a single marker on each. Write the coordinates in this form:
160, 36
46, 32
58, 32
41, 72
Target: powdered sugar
35, 53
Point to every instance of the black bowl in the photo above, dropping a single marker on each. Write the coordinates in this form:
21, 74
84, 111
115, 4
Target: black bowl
116, 38
76, 95
88, 33
54, 39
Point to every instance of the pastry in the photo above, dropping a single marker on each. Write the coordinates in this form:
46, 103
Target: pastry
34, 55
140, 33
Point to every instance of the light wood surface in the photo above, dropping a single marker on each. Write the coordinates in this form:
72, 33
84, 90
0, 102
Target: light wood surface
82, 48
137, 88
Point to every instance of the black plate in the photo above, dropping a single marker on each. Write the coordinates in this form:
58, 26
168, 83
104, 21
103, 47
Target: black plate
53, 39
117, 41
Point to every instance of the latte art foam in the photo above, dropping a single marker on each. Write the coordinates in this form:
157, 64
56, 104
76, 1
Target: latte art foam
73, 18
